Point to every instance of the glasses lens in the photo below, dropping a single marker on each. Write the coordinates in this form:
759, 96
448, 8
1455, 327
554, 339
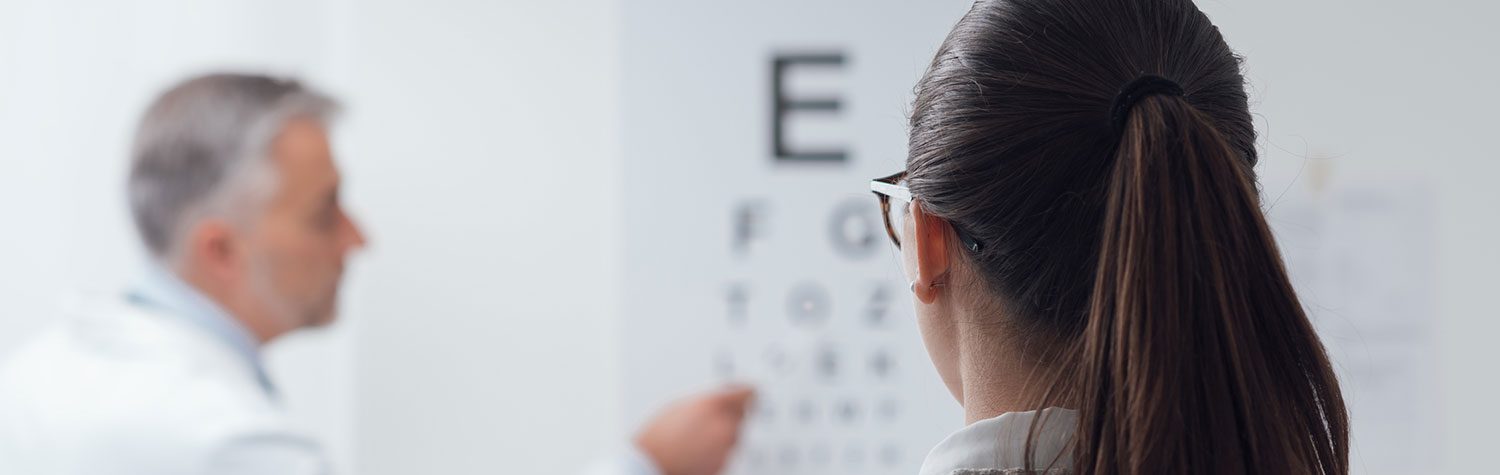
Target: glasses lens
896, 215
893, 210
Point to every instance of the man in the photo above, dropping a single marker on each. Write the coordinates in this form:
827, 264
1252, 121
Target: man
235, 194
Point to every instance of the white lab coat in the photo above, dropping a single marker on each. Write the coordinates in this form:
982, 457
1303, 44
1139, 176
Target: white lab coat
120, 387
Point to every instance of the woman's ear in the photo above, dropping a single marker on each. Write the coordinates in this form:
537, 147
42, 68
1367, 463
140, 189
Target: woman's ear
930, 234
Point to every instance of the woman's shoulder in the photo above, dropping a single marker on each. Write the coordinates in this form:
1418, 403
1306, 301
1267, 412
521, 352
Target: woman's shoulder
997, 446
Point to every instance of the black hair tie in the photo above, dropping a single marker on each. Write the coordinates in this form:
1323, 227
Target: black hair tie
1136, 90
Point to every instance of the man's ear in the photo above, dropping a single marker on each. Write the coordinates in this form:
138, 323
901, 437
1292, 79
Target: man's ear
213, 250
931, 236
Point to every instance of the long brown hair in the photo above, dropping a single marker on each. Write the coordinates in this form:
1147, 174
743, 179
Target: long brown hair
1134, 245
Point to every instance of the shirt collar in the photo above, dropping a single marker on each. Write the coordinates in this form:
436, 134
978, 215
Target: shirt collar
164, 291
999, 443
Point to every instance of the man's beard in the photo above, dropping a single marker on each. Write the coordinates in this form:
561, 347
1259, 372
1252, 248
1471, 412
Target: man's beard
285, 309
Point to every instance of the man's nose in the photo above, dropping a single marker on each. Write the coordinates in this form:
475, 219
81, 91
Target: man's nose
355, 236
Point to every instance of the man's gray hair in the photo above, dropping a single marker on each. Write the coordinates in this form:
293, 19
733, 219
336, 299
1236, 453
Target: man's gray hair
203, 149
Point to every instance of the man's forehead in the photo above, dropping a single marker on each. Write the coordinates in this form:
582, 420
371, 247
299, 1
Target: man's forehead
303, 152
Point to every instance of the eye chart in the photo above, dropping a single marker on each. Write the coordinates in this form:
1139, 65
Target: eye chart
755, 250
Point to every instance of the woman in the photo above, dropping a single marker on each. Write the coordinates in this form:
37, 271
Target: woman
1081, 226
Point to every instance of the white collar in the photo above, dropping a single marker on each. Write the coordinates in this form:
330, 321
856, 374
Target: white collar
999, 443
162, 290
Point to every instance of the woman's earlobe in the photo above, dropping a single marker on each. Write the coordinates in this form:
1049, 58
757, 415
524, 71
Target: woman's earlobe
926, 292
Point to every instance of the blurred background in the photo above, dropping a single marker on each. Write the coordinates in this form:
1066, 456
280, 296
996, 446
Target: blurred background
576, 206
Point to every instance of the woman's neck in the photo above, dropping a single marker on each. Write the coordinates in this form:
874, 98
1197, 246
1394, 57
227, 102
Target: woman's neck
996, 376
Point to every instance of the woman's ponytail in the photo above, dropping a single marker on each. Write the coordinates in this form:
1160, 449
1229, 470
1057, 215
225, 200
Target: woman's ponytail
1196, 356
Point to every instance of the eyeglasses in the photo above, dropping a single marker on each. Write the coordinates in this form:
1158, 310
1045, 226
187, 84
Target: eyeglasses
886, 189
894, 187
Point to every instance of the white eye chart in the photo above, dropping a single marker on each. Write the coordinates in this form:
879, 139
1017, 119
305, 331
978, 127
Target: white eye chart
755, 250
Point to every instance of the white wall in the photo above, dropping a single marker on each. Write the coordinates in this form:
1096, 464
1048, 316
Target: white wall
482, 156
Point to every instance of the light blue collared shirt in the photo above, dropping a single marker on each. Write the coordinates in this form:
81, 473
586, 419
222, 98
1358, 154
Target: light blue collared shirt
160, 290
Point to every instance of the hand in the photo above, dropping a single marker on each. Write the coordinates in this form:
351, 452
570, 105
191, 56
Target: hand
694, 436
